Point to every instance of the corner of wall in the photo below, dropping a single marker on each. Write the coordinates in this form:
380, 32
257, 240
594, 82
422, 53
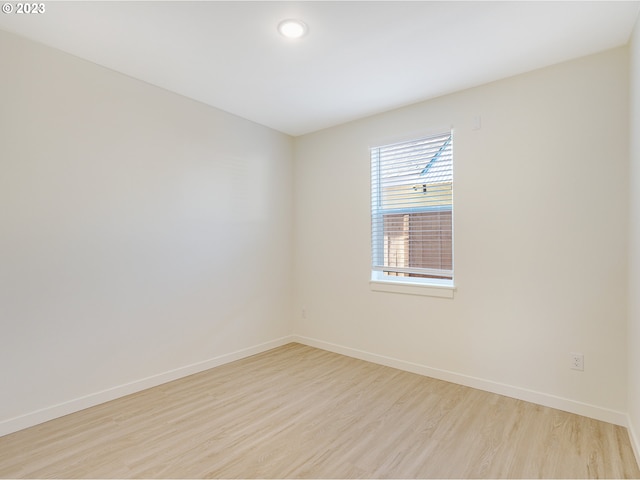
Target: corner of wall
633, 332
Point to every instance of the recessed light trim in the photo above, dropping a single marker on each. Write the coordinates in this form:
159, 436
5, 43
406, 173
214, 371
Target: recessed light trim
292, 28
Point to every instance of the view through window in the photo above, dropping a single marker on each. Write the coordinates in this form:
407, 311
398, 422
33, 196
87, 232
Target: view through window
412, 209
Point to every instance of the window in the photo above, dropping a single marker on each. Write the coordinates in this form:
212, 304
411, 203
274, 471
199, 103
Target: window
412, 211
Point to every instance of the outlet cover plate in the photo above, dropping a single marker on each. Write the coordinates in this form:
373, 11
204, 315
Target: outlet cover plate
577, 361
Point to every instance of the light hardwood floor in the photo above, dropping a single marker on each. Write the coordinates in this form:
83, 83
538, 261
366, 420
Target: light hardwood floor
300, 412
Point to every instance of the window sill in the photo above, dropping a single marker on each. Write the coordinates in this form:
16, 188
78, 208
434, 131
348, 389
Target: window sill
431, 290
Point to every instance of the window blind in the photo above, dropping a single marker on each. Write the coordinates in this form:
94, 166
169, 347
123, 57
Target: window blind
412, 208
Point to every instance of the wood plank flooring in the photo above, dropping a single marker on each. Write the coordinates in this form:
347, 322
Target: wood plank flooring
300, 412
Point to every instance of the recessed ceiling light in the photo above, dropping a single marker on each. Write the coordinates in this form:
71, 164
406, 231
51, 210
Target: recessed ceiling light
292, 28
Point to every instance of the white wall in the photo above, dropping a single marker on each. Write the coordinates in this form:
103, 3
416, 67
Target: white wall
541, 218
634, 243
140, 232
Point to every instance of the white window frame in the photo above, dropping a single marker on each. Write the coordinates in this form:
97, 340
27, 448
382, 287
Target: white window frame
406, 285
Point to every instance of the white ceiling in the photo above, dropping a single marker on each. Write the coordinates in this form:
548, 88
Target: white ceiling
359, 58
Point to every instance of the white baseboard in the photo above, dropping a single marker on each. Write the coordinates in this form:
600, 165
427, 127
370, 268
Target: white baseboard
634, 439
40, 416
567, 405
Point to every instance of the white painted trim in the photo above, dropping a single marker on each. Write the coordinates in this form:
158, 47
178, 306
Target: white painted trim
49, 413
442, 291
40, 416
634, 439
544, 399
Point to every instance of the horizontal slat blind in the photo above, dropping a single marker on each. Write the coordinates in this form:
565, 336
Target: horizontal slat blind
412, 208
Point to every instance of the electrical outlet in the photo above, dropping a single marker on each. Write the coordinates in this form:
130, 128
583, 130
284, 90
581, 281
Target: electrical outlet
303, 313
577, 361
